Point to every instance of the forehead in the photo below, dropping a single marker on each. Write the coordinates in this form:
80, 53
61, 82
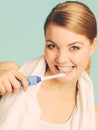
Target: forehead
59, 34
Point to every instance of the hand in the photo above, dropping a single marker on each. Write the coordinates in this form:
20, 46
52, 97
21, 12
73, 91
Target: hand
9, 81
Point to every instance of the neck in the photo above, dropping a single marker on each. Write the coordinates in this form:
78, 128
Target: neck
68, 90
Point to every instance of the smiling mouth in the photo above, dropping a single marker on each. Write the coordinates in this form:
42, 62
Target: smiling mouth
65, 69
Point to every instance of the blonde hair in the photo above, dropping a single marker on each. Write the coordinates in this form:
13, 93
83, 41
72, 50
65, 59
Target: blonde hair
88, 67
76, 17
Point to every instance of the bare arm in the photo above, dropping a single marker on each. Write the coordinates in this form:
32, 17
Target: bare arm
9, 76
96, 108
8, 65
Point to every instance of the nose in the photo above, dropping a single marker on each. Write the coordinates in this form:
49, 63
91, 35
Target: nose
62, 57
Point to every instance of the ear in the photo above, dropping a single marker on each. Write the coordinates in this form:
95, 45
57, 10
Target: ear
93, 46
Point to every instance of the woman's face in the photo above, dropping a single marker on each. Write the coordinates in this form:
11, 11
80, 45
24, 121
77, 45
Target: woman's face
66, 51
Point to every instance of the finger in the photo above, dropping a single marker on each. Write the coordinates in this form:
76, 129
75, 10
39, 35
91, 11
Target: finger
2, 89
7, 85
9, 81
23, 80
14, 83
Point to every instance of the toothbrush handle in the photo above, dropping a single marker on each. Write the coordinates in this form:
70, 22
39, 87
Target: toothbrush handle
32, 80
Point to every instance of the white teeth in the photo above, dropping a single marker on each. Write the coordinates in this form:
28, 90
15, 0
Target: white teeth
60, 68
65, 68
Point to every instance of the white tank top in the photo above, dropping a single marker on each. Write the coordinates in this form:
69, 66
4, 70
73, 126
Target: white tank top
45, 125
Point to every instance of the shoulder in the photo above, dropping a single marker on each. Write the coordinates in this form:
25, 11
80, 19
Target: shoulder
96, 110
5, 65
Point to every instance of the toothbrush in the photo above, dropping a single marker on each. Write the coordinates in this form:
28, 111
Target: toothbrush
33, 80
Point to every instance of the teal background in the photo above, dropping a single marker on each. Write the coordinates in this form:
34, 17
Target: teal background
21, 31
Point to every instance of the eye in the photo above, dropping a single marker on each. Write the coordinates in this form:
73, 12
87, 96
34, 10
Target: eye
75, 48
51, 46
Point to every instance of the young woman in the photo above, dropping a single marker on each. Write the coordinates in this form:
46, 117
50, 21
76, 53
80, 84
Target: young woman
65, 103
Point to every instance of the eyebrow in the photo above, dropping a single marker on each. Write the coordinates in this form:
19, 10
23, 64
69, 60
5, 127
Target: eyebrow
77, 42
50, 41
70, 44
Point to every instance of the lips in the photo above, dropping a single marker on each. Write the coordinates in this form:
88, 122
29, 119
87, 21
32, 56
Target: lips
65, 69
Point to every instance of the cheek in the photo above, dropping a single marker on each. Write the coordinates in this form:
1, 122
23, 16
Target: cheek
49, 55
82, 59
46, 54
